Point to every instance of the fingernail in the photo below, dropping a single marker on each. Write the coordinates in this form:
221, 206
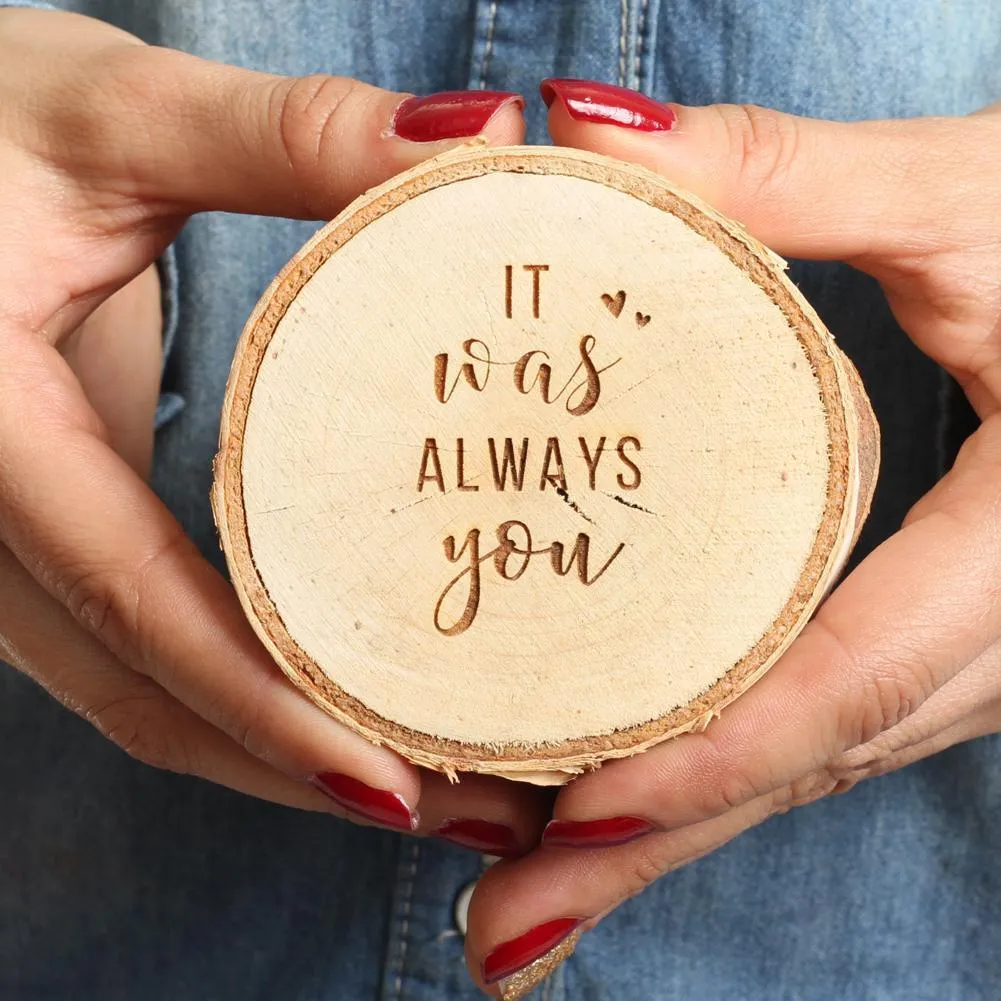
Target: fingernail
481, 836
596, 833
377, 805
453, 114
522, 983
605, 104
537, 953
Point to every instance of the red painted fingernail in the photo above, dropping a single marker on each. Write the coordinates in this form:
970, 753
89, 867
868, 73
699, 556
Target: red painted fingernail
510, 957
596, 833
377, 805
605, 104
453, 114
481, 836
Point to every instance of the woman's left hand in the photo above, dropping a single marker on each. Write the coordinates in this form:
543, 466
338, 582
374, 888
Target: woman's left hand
904, 659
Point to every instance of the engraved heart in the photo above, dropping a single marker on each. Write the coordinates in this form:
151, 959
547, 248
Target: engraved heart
615, 304
641, 320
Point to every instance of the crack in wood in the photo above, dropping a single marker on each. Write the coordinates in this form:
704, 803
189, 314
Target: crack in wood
566, 497
625, 503
407, 507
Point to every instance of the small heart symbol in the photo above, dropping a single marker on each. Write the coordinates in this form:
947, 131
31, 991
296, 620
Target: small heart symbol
641, 320
615, 304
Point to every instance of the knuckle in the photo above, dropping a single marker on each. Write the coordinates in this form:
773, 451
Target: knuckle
846, 784
855, 763
763, 147
886, 701
136, 724
726, 779
250, 718
118, 603
140, 597
810, 788
873, 691
652, 858
802, 792
734, 789
307, 112
849, 771
95, 598
781, 800
251, 732
645, 868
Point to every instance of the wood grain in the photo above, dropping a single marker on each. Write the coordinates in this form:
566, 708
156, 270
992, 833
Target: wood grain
529, 460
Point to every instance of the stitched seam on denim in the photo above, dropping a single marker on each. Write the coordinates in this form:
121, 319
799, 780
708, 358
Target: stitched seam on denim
409, 878
623, 40
641, 43
488, 50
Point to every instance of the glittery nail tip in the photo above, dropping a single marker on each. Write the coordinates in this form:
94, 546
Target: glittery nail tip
522, 983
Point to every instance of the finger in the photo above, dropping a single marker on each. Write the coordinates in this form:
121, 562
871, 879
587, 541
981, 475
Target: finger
804, 187
97, 538
872, 762
892, 198
525, 916
964, 707
520, 910
139, 138
484, 813
40, 638
186, 134
116, 356
882, 643
521, 907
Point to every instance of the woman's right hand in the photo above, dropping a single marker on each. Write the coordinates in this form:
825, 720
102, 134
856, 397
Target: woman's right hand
107, 146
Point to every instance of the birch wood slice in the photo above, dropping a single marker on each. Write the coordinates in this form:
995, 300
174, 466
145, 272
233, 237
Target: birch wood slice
530, 460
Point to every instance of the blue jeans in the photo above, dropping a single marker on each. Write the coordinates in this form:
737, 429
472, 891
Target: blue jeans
117, 882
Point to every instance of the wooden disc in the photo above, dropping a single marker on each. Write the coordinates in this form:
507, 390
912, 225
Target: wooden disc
530, 460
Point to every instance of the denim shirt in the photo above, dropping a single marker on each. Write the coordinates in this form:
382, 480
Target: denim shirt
122, 883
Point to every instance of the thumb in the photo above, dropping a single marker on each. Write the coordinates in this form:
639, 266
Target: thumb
867, 192
182, 134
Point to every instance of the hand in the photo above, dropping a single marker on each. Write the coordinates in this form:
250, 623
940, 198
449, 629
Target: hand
904, 659
106, 147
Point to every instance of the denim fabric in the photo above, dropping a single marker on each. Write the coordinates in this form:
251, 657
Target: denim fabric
119, 883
